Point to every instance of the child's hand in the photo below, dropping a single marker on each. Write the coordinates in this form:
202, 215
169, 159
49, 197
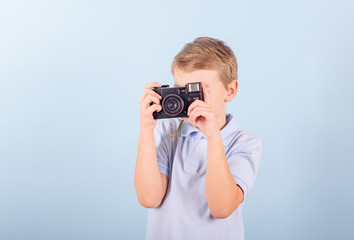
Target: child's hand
147, 120
202, 115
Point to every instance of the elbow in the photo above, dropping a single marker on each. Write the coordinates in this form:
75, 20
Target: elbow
149, 203
223, 210
220, 214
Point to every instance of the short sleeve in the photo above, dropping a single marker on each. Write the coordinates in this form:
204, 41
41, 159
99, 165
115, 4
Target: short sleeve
244, 161
162, 148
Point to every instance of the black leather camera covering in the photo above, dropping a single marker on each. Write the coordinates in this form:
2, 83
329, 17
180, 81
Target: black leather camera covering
176, 100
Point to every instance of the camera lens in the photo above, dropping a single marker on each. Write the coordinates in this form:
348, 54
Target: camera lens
172, 105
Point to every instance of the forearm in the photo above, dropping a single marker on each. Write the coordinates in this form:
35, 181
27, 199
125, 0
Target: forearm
220, 186
147, 178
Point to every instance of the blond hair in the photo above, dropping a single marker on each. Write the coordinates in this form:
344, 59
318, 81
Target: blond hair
208, 54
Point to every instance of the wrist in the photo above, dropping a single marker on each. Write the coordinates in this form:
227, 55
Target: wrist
146, 128
214, 136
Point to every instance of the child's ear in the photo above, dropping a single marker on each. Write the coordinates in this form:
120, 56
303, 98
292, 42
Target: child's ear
232, 90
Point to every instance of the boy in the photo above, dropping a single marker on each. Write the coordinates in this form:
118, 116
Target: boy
195, 182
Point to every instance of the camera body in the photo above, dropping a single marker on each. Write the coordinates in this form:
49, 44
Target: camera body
176, 100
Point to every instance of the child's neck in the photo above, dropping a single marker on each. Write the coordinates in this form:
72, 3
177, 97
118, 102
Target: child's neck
222, 121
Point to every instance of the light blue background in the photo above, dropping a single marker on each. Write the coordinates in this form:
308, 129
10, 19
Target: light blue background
72, 73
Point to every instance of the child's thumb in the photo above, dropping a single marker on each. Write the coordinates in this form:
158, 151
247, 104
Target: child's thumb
185, 119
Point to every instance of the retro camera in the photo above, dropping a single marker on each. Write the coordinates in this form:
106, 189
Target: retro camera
176, 100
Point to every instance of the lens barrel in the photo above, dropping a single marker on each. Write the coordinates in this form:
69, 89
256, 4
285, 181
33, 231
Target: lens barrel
172, 104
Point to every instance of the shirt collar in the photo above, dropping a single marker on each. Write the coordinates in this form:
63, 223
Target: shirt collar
227, 133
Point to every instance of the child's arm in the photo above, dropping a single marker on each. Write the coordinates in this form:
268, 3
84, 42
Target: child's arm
150, 184
222, 193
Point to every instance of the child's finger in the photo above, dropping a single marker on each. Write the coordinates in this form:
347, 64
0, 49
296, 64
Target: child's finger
147, 92
196, 103
204, 112
153, 84
148, 99
153, 108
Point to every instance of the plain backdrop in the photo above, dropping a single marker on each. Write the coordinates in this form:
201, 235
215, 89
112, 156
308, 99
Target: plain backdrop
71, 76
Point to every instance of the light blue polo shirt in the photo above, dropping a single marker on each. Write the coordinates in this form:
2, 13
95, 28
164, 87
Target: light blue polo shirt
184, 212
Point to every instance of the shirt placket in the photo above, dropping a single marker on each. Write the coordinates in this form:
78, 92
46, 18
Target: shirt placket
196, 155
